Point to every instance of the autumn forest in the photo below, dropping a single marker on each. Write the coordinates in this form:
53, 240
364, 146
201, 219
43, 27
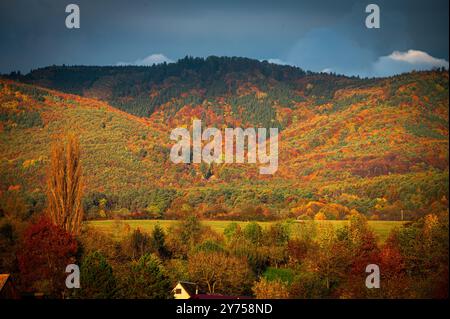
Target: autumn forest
86, 179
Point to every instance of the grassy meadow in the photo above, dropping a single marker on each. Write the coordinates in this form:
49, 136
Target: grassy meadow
114, 227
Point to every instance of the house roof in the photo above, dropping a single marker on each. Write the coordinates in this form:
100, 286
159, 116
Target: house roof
3, 280
190, 287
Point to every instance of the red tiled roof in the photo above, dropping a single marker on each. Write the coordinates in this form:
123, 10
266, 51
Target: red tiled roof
207, 296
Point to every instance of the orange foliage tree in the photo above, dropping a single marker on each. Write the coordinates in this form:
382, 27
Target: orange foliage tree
64, 185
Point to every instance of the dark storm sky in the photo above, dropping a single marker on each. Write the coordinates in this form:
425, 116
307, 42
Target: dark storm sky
318, 35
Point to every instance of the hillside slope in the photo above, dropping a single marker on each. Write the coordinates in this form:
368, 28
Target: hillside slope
379, 146
238, 90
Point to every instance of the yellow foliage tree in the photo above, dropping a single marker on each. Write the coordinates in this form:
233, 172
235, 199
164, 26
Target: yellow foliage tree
275, 289
320, 216
64, 185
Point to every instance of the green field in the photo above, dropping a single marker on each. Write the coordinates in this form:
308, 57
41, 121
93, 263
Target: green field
113, 227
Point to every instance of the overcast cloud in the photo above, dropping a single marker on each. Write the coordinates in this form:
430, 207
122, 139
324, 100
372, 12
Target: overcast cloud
314, 35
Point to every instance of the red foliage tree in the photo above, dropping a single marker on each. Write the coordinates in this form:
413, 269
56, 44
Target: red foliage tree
46, 250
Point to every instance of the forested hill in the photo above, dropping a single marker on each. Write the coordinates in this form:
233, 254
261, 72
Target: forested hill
379, 146
252, 89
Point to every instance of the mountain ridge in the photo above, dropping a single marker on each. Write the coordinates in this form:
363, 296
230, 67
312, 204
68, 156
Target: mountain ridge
377, 146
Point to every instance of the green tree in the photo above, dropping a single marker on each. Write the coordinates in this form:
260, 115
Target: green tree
147, 279
158, 241
231, 230
278, 234
253, 232
139, 243
190, 231
96, 277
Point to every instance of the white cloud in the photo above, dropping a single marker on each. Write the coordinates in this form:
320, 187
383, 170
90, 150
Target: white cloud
400, 62
277, 61
416, 57
156, 58
395, 63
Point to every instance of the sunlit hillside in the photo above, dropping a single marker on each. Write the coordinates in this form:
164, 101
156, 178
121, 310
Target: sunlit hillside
379, 146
